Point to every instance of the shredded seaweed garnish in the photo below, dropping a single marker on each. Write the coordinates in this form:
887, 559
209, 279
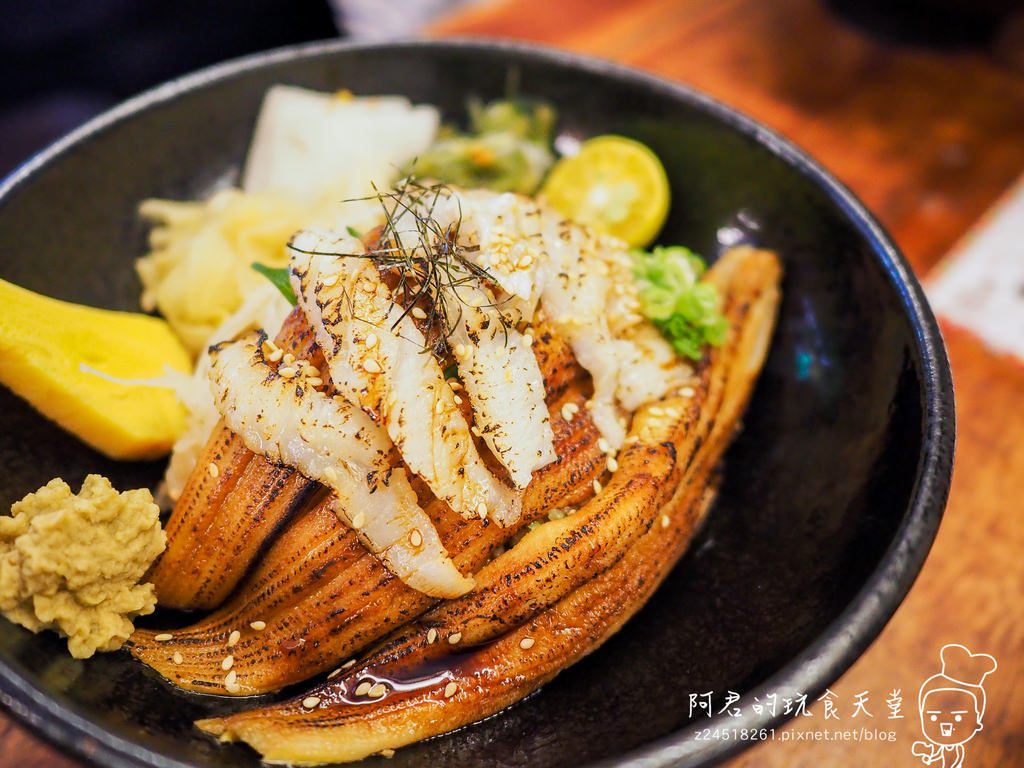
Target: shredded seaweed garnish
429, 260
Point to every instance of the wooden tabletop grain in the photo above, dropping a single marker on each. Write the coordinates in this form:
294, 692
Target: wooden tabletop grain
928, 140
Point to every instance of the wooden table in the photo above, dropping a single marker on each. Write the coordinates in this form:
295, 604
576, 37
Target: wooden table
929, 141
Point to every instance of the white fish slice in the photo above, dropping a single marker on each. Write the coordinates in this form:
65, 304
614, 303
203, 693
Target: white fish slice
335, 443
377, 359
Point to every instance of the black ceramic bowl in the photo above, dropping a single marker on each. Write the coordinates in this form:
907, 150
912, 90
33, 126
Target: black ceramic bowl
832, 492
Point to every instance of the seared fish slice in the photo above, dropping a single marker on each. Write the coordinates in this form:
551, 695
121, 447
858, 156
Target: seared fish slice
378, 358
503, 380
288, 419
232, 502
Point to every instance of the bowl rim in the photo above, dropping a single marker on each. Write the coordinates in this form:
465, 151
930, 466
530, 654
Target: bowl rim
818, 665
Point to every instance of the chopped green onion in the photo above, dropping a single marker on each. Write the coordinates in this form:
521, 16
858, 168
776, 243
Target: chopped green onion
685, 310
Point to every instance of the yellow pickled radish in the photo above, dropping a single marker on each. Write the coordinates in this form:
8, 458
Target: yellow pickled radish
614, 185
43, 345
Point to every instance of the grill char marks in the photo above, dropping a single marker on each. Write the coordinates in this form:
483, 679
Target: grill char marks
219, 523
539, 631
323, 598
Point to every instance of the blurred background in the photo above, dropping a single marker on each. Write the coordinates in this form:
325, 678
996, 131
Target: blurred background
916, 105
63, 61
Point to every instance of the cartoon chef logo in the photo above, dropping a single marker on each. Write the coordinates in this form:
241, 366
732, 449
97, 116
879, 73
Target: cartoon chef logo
952, 704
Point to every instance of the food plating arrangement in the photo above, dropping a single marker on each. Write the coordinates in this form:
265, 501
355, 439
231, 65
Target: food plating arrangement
439, 423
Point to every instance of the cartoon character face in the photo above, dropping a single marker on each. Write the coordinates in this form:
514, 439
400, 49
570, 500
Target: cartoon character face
949, 716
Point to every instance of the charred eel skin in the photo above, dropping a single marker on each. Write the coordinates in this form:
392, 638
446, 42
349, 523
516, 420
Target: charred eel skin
420, 682
317, 596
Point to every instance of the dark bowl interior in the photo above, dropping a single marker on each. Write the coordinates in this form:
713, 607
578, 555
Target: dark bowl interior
831, 493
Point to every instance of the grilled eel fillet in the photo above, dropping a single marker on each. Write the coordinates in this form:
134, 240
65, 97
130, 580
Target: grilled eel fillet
320, 595
561, 591
232, 502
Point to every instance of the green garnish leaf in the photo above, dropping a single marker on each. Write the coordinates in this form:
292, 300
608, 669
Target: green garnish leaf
451, 371
353, 231
280, 278
685, 310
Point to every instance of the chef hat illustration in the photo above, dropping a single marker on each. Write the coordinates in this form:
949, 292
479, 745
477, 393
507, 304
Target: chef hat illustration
961, 669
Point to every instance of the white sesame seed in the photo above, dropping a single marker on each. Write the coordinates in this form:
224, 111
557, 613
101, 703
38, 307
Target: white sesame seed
481, 509
687, 392
450, 689
525, 261
371, 366
567, 412
597, 486
415, 538
349, 664
454, 639
258, 625
418, 313
310, 701
371, 340
665, 521
439, 406
612, 464
275, 356
329, 281
528, 338
359, 520
431, 636
656, 410
458, 400
460, 350
377, 691
231, 682
287, 372
229, 661
289, 358
603, 446
526, 643
233, 638
315, 381
178, 658
363, 687
589, 405
334, 674
387, 753
164, 637
213, 470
